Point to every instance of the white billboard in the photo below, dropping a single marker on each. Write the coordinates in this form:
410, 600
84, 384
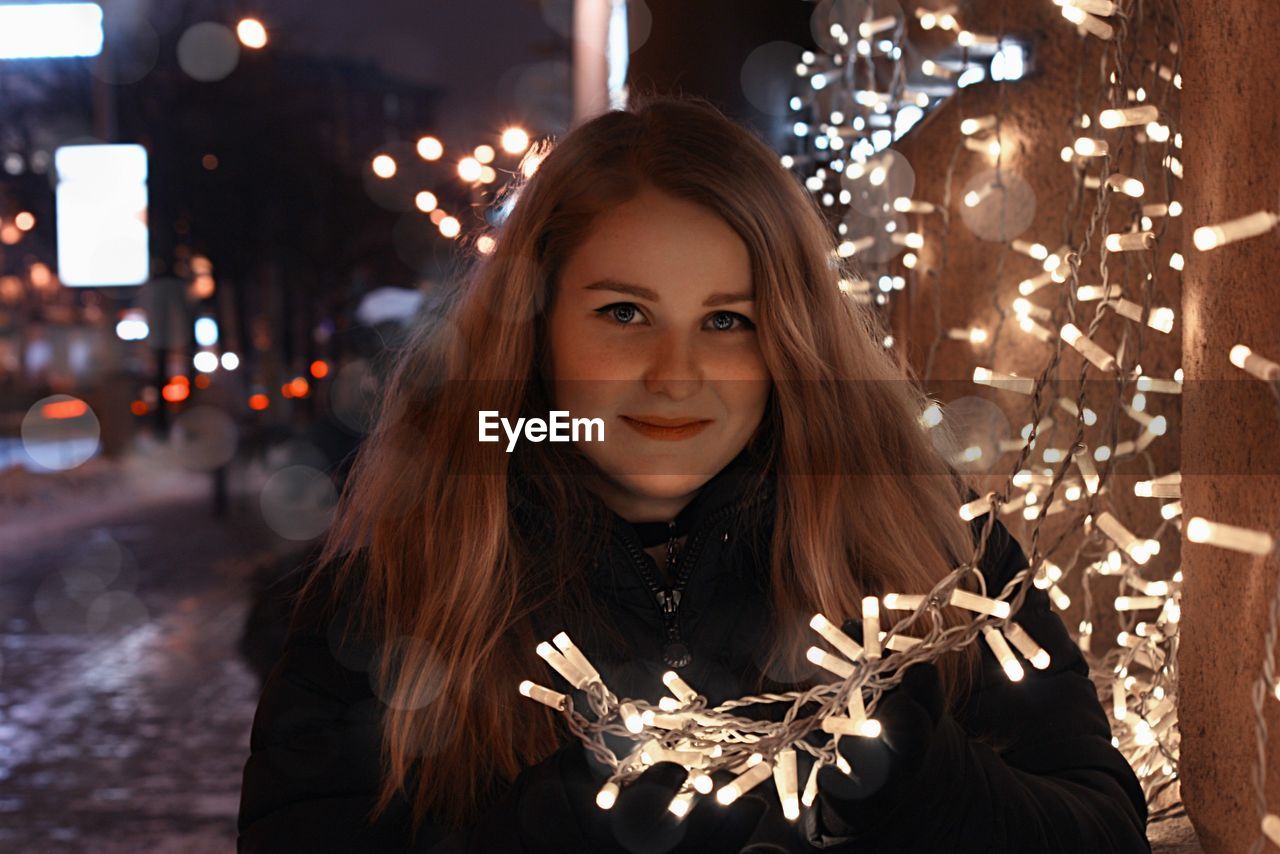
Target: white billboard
38, 30
101, 202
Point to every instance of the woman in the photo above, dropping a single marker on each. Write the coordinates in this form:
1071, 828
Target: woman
762, 461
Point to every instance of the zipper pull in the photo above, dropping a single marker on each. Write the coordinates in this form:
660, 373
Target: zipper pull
671, 546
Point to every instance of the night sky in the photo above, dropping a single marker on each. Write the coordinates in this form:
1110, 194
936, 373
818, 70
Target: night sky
484, 54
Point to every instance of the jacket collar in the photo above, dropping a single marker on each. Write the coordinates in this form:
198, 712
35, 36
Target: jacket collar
741, 483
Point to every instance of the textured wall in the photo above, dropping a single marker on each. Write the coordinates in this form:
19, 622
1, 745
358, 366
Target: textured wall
1231, 101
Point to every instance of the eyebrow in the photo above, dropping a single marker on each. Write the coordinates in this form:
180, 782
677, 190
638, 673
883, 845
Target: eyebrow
652, 295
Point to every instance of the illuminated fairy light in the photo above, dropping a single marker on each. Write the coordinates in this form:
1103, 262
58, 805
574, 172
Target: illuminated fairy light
1103, 8
1005, 381
847, 646
1085, 346
1259, 366
1160, 318
1130, 241
469, 169
1208, 237
1023, 307
1027, 287
546, 696
871, 627
1000, 647
718, 740
902, 204
429, 148
1140, 108
1089, 147
1137, 549
1222, 535
1131, 187
989, 146
1128, 116
745, 782
1271, 827
969, 127
784, 778
1026, 324
1169, 486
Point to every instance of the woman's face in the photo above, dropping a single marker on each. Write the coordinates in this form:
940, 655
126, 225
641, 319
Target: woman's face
653, 320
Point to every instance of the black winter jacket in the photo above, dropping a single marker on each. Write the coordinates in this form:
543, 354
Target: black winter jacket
1034, 769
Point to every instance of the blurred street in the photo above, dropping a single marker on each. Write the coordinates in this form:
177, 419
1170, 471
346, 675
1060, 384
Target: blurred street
125, 705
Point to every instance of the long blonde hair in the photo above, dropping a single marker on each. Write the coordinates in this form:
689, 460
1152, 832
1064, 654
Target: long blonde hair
864, 502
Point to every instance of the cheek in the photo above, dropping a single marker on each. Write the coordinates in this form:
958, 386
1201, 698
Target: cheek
580, 350
746, 384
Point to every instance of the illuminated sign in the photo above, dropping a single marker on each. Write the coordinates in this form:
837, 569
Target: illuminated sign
101, 202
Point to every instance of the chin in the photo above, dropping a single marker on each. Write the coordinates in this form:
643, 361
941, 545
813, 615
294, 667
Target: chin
663, 485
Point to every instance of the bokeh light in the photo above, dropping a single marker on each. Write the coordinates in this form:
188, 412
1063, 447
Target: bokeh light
204, 438
1003, 205
469, 169
298, 502
115, 611
208, 51
515, 140
430, 148
426, 201
352, 396
176, 390
60, 432
252, 33
134, 46
384, 166
205, 361
425, 689
766, 76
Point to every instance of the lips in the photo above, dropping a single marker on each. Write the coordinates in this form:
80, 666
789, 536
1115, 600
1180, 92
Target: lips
666, 429
658, 421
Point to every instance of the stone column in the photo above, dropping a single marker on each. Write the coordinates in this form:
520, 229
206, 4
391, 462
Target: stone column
1231, 426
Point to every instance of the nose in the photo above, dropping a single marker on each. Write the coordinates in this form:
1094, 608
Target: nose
674, 368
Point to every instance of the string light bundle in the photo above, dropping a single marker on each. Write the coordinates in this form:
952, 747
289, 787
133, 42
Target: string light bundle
706, 741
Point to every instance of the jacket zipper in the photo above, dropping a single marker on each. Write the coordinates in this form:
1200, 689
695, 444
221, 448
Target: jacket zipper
675, 652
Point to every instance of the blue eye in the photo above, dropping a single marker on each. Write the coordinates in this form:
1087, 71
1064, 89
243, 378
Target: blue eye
730, 316
623, 313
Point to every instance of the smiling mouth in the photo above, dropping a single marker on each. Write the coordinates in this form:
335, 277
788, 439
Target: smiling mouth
673, 430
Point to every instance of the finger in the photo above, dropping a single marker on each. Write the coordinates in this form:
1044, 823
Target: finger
640, 819
905, 725
924, 685
869, 761
714, 827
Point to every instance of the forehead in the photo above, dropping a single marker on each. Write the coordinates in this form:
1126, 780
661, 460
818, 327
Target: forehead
656, 238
